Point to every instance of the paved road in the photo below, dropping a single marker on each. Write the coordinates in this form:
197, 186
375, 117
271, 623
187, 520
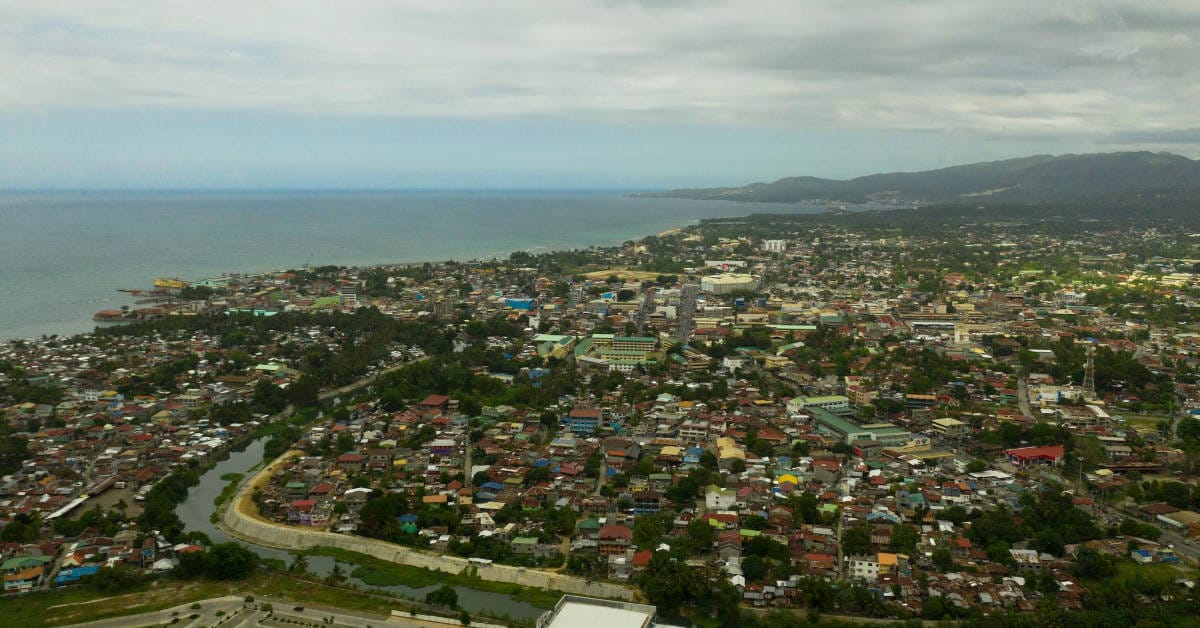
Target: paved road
1023, 394
235, 613
207, 615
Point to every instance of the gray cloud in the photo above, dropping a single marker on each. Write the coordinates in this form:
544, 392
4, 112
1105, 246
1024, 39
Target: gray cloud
1116, 71
1165, 136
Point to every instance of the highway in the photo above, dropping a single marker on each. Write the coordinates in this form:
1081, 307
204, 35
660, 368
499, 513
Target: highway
235, 612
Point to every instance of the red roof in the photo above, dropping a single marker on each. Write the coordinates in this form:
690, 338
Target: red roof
1051, 452
616, 531
434, 401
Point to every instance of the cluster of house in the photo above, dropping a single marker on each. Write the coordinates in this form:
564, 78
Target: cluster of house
60, 562
889, 477
610, 458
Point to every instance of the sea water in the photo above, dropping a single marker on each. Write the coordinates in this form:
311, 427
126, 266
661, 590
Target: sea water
65, 255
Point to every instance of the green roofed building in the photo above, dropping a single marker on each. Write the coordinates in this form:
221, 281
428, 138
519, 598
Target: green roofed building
886, 434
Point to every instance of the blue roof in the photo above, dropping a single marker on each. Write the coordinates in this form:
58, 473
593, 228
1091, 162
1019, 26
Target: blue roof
407, 518
72, 575
541, 463
495, 486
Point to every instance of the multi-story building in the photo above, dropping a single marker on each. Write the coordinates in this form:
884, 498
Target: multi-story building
836, 404
583, 421
694, 431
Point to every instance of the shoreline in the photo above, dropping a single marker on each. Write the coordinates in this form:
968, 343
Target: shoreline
61, 335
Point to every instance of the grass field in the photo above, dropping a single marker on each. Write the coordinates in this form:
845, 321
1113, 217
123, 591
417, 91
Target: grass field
83, 604
380, 573
624, 274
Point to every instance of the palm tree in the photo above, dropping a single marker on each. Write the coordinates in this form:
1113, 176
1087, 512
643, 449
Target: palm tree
336, 576
299, 565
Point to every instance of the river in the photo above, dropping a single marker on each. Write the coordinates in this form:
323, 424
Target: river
199, 505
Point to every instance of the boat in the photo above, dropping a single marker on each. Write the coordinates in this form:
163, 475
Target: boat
108, 316
170, 284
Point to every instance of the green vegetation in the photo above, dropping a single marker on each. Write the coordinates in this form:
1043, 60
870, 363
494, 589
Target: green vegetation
232, 481
380, 573
1025, 179
223, 561
444, 595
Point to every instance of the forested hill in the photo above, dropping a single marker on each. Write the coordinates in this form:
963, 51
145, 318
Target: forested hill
1027, 179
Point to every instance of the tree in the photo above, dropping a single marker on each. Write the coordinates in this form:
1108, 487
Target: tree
856, 541
23, 528
13, 451
904, 539
1092, 564
754, 568
942, 559
480, 478
701, 534
120, 578
299, 565
304, 391
344, 443
443, 596
337, 575
229, 561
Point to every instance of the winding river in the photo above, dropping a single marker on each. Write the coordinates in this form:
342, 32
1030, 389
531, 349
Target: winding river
199, 505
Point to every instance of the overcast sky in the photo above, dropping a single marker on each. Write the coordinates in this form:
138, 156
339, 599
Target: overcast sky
570, 93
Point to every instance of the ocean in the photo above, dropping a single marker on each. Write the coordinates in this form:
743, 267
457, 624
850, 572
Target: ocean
65, 255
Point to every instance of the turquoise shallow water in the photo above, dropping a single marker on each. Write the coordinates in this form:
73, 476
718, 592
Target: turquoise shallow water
64, 255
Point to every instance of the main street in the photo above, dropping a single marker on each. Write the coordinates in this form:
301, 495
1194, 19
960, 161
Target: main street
235, 612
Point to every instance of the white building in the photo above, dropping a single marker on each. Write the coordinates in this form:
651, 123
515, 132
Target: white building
836, 404
727, 283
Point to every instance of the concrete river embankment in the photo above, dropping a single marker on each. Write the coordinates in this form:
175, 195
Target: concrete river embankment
239, 519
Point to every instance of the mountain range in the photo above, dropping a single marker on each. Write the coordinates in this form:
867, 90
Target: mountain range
1022, 180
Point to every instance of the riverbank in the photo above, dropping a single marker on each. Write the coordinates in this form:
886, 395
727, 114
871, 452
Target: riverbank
241, 520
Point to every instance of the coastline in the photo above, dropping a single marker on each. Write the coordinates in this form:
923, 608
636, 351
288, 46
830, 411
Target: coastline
73, 252
405, 264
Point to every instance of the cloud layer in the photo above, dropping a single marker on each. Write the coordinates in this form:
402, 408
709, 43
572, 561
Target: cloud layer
1116, 70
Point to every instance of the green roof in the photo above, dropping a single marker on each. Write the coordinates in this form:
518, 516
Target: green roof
824, 399
836, 422
620, 352
17, 563
633, 339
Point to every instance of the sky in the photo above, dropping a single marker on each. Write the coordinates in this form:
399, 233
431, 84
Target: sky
575, 93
